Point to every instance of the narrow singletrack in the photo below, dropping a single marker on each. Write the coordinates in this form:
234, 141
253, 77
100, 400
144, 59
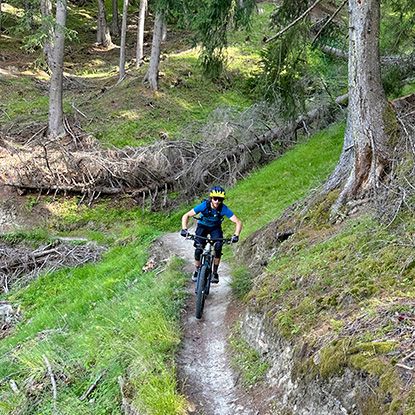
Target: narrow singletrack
203, 362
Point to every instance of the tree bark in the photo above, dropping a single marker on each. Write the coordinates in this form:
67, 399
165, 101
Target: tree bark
152, 74
115, 22
56, 127
46, 11
103, 32
140, 33
123, 39
371, 127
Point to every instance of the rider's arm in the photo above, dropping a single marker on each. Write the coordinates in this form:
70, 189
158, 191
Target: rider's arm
186, 216
238, 224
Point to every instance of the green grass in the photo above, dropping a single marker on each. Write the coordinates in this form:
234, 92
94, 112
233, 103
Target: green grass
34, 236
409, 89
265, 194
109, 318
141, 116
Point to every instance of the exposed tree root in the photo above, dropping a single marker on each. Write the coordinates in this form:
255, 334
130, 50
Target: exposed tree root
389, 188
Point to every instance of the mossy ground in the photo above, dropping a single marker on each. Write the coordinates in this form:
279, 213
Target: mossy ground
348, 294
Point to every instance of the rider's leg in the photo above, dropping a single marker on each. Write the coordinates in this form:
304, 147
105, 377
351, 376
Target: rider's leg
217, 234
199, 244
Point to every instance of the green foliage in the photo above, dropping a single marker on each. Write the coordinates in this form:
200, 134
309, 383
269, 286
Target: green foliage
283, 73
214, 19
264, 194
283, 62
108, 319
398, 26
392, 81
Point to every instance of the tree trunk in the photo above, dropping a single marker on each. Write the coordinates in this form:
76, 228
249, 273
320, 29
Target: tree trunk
1, 17
123, 39
371, 128
115, 23
343, 167
103, 32
46, 11
152, 74
56, 127
140, 33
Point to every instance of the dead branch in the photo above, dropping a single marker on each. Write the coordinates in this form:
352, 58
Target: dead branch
21, 264
330, 19
53, 383
405, 367
294, 22
91, 387
78, 164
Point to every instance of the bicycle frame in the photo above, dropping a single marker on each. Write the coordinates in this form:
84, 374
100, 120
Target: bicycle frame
207, 261
205, 272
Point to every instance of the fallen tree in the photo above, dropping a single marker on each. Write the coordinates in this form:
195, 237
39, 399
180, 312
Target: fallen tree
21, 264
228, 149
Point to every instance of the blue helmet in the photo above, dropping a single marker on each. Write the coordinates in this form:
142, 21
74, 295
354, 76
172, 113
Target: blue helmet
217, 191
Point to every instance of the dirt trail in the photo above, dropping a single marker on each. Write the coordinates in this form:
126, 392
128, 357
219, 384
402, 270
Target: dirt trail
203, 362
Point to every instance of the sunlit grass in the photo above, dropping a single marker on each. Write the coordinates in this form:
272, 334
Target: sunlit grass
264, 194
108, 319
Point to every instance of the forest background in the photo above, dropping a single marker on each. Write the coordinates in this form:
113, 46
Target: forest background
209, 103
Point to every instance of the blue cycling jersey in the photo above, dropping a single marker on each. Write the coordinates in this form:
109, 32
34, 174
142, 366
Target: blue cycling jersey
211, 217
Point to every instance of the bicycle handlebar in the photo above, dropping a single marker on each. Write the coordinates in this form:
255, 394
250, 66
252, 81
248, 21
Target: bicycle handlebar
192, 237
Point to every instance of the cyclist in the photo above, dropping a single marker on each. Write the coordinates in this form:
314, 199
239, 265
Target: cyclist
212, 213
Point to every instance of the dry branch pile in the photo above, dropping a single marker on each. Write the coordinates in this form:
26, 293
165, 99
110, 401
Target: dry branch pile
21, 264
228, 147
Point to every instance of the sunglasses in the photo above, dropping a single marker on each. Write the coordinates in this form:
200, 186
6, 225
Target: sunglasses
217, 199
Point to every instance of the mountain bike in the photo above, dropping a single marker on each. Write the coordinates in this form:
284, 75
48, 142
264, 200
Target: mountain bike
204, 275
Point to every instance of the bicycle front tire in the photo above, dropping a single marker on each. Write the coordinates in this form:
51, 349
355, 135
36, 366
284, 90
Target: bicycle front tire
201, 291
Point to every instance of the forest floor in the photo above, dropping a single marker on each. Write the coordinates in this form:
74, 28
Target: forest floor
204, 364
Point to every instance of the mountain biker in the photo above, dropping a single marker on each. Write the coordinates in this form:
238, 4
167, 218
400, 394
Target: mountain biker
212, 213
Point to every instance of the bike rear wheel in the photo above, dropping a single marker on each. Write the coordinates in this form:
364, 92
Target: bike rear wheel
201, 291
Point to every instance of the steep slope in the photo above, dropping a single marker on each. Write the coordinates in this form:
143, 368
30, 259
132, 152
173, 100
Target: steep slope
330, 305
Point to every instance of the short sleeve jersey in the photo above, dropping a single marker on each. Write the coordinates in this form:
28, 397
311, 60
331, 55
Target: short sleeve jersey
211, 217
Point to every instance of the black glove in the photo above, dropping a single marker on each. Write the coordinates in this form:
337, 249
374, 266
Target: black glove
235, 239
184, 233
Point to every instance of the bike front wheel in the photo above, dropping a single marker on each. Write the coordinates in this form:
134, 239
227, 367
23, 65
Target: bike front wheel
201, 291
